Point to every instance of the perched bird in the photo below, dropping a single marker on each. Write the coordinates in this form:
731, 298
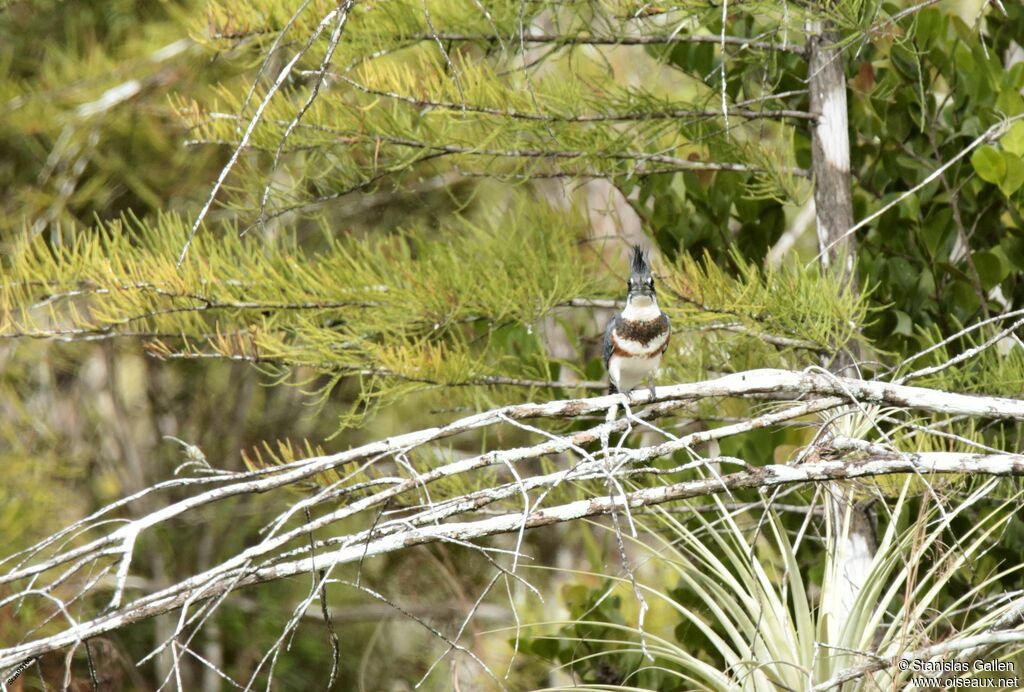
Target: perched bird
636, 337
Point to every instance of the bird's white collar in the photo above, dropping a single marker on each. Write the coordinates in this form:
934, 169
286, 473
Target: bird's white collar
641, 308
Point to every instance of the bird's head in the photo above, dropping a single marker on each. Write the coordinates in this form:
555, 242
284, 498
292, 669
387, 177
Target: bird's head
641, 283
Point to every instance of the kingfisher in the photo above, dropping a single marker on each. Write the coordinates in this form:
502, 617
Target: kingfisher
636, 337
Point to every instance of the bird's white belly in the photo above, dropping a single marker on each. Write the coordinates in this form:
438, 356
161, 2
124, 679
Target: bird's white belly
627, 373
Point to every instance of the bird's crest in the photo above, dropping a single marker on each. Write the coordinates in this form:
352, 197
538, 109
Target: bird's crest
641, 265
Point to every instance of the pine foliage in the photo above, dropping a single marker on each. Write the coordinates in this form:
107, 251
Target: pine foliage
414, 86
455, 307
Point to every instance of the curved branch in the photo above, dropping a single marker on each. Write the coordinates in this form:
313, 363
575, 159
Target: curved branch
753, 478
767, 384
815, 391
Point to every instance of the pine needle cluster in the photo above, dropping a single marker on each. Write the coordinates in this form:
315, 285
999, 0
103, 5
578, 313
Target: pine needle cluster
457, 307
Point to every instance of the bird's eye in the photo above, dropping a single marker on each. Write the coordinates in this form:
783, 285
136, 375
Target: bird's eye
650, 283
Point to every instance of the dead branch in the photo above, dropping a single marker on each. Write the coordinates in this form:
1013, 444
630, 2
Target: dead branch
379, 479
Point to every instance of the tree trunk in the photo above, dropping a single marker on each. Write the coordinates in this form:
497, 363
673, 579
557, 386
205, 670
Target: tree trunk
851, 536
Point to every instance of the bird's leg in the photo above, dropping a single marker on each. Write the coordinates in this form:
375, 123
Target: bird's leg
650, 384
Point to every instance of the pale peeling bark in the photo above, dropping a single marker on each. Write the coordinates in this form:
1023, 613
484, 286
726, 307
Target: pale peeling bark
830, 149
852, 542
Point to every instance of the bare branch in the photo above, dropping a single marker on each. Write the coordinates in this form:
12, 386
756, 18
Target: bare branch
757, 384
278, 83
623, 116
766, 477
285, 549
648, 40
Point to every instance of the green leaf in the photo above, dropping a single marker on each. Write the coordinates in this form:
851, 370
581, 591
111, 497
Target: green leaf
902, 274
906, 63
931, 24
991, 268
989, 164
965, 299
545, 648
1013, 248
1010, 102
926, 283
938, 232
904, 325
1013, 140
1013, 78
910, 208
1014, 177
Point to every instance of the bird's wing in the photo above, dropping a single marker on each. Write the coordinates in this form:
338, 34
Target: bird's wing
608, 346
668, 331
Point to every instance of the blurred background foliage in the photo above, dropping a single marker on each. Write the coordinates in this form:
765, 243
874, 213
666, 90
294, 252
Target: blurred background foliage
443, 232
